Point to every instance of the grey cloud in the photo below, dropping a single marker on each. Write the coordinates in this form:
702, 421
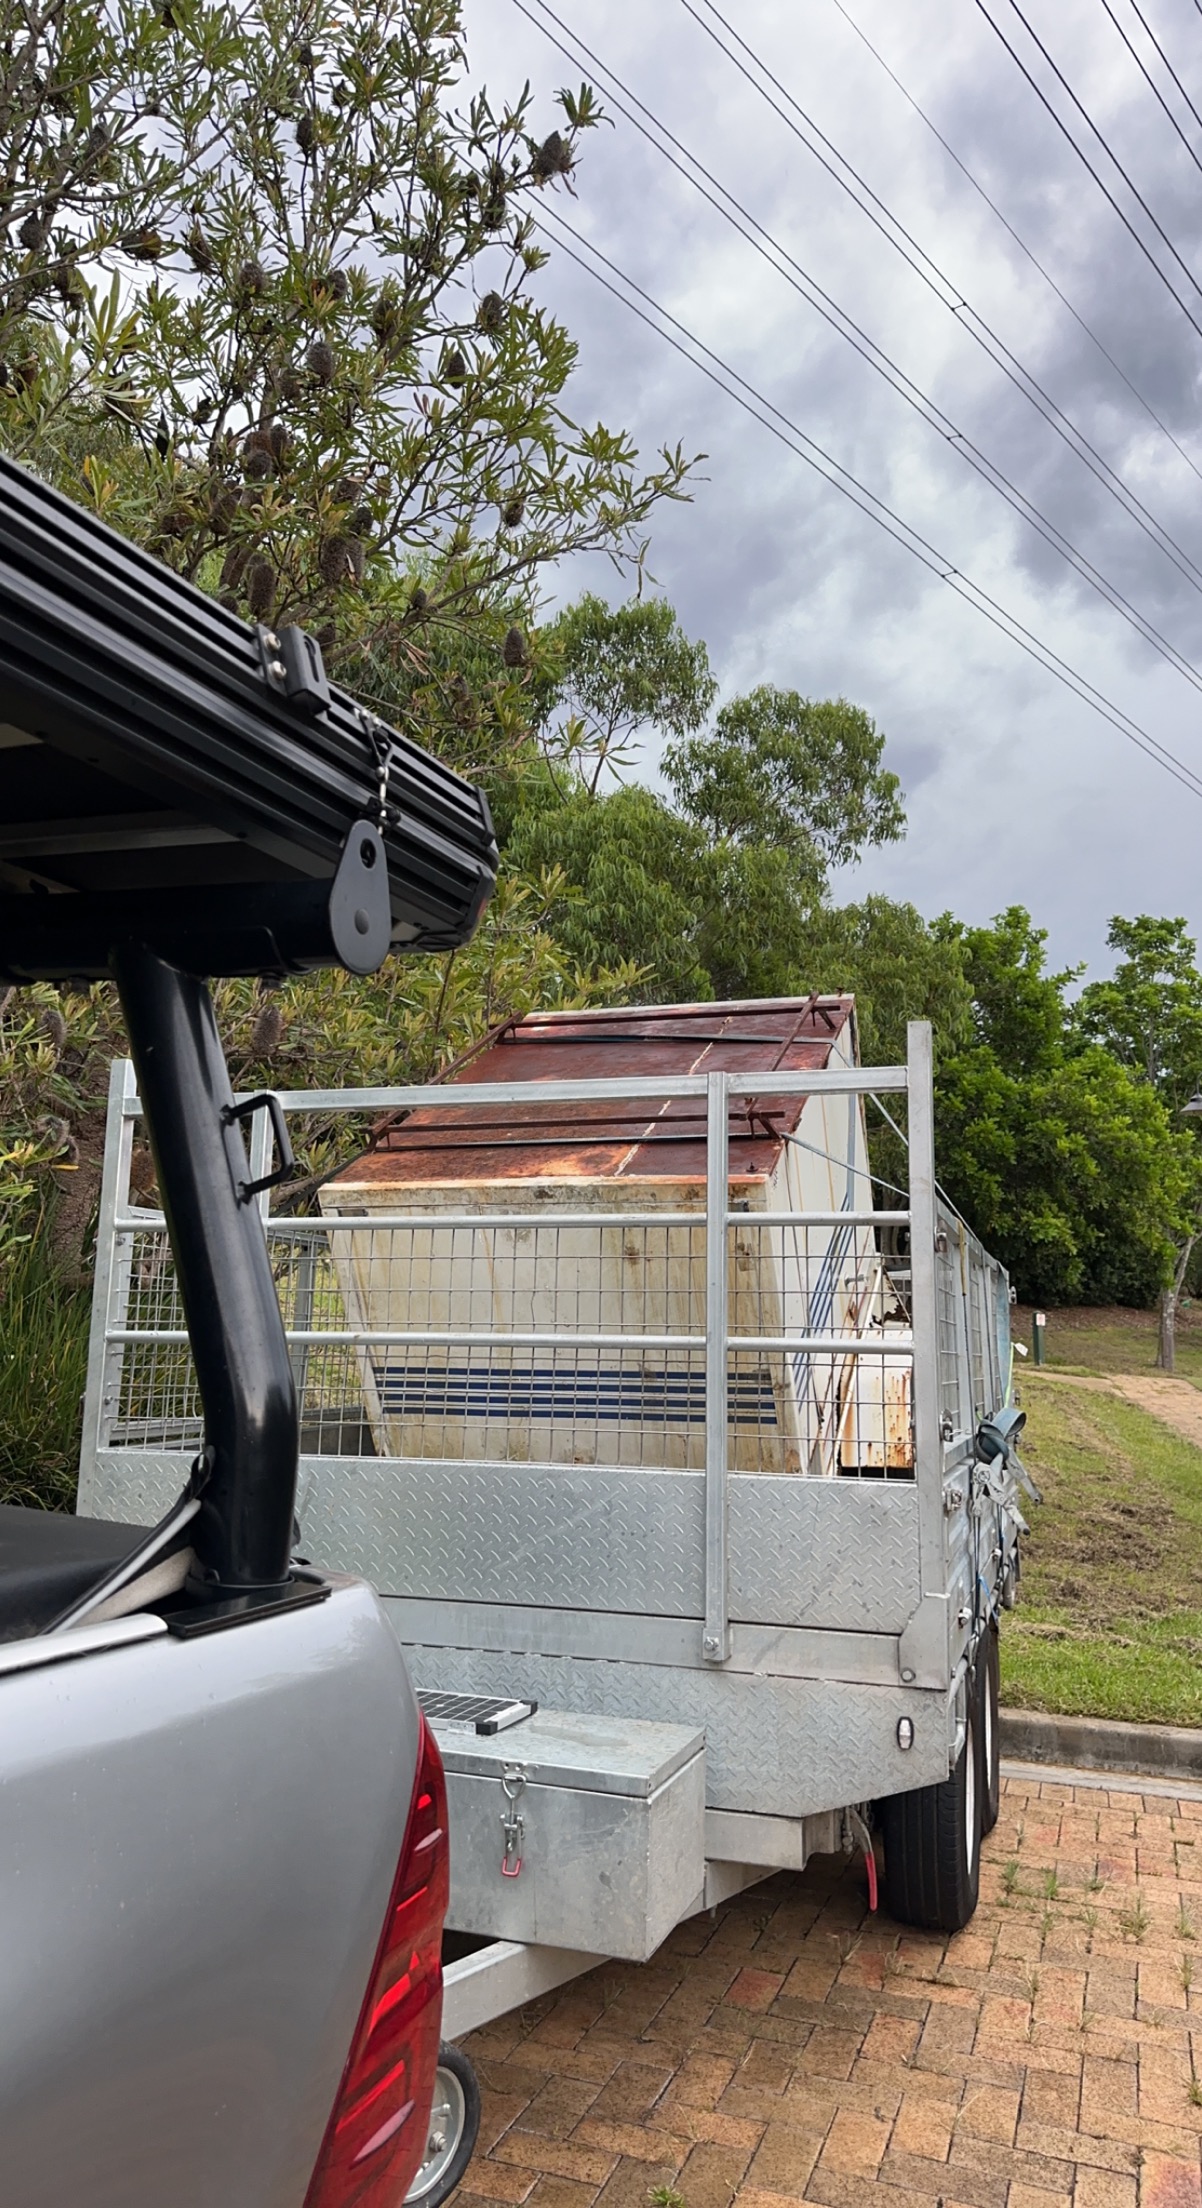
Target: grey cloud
1016, 789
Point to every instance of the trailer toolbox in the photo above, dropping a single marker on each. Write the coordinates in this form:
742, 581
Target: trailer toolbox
570, 1830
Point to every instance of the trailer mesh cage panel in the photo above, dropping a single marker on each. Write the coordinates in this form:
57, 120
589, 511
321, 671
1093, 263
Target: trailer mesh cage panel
550, 1305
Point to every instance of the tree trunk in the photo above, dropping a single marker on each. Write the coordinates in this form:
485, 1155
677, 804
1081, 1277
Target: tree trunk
1166, 1342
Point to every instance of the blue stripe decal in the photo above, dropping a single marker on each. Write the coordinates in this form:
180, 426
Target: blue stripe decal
598, 1395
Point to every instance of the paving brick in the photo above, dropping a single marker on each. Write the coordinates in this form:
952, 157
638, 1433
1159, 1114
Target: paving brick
557, 2107
1033, 2196
560, 2192
795, 2049
924, 2126
489, 2180
1104, 2189
559, 2157
783, 2160
1165, 2181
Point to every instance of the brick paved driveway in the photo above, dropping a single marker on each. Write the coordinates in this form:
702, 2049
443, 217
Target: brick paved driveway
795, 2048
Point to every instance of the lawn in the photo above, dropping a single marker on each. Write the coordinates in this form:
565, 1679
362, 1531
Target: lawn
1110, 1619
1109, 1339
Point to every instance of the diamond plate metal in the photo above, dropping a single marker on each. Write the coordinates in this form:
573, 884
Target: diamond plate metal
829, 1553
803, 1552
782, 1747
839, 1553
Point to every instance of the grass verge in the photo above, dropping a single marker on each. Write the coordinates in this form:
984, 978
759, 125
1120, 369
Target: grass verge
1108, 1338
1110, 1623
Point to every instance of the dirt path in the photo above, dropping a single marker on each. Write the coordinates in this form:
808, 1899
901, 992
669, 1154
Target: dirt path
1177, 1403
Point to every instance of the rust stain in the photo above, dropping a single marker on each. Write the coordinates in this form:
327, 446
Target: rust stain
662, 1139
1165, 2182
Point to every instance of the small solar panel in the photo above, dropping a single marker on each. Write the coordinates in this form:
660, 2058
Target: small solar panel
485, 1712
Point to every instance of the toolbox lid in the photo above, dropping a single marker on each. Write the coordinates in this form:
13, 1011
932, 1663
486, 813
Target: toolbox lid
599, 1755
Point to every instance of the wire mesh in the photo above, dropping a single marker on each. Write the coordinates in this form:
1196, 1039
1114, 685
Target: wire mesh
565, 1398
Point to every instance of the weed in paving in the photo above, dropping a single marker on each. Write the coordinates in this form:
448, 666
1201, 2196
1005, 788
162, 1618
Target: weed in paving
1134, 1922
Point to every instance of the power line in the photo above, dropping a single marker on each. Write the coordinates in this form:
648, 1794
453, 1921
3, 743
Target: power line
1146, 73
790, 434
1168, 64
936, 280
1083, 157
1020, 242
1107, 149
888, 369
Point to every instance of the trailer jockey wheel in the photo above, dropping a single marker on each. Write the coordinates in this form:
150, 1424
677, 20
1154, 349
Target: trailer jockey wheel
454, 2125
986, 1674
933, 1844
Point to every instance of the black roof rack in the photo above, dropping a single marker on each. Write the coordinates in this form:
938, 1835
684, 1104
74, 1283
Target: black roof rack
155, 749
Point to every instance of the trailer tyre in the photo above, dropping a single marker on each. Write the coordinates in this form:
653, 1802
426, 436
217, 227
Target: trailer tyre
454, 2126
986, 1677
933, 1844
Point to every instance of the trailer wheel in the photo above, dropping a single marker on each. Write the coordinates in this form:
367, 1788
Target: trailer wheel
933, 1844
986, 1674
454, 2125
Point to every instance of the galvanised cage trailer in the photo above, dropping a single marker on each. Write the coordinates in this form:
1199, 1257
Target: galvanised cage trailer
684, 1465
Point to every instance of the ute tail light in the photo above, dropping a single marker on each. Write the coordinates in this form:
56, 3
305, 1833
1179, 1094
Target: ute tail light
376, 2135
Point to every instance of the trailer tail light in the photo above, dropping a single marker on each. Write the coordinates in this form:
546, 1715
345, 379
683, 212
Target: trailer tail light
376, 2135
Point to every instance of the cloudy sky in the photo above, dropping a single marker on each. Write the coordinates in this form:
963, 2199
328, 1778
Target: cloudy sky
1017, 790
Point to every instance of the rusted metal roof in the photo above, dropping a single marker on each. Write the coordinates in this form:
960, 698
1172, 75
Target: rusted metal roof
606, 1141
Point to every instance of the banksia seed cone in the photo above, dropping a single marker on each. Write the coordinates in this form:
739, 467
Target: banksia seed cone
319, 360
260, 587
281, 443
515, 651
335, 282
327, 636
513, 510
223, 505
234, 566
341, 559
419, 600
54, 1028
252, 279
490, 314
345, 489
258, 466
200, 252
454, 367
553, 158
34, 232
306, 133
268, 1031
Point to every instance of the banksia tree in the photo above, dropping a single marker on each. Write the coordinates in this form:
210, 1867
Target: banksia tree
321, 373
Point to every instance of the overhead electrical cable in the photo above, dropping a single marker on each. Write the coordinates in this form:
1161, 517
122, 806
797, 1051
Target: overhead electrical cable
808, 120
1019, 241
832, 471
1150, 80
888, 369
937, 281
1165, 59
1100, 181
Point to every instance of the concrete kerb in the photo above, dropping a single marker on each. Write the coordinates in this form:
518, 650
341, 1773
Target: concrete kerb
1101, 1744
